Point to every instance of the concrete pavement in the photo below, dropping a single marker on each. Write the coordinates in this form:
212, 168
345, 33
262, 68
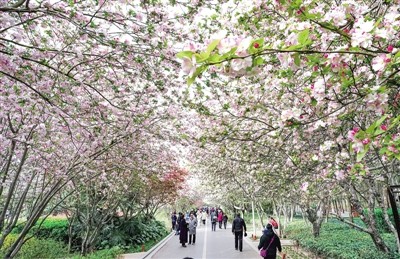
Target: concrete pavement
217, 244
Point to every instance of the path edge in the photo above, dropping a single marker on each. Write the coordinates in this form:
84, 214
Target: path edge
159, 245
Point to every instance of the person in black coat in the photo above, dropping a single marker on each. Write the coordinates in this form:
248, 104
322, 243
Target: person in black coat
183, 234
238, 227
265, 242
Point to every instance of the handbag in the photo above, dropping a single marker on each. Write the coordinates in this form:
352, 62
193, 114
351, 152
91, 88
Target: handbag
263, 252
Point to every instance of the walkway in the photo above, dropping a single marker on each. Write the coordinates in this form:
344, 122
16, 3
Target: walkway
209, 244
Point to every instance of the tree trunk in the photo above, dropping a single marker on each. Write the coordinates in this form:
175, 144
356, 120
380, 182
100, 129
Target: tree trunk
292, 208
316, 227
369, 218
350, 211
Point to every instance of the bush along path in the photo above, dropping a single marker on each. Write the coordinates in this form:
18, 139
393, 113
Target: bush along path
338, 240
51, 239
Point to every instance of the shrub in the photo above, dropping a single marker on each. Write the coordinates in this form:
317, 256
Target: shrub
132, 232
111, 253
53, 228
338, 240
36, 248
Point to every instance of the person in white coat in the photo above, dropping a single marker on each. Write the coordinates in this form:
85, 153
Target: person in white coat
192, 228
204, 217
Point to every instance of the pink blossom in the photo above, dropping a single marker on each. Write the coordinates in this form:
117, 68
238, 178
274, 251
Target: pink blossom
358, 146
244, 44
339, 175
304, 186
393, 149
379, 63
383, 127
226, 44
189, 65
361, 35
377, 102
318, 91
366, 141
351, 134
239, 64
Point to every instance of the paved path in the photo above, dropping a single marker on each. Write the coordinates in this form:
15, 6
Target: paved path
219, 244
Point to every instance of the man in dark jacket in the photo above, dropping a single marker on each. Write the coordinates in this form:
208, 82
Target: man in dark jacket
238, 226
183, 232
270, 241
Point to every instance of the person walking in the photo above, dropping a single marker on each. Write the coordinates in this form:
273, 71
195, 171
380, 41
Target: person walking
220, 217
213, 216
270, 242
225, 219
173, 220
204, 216
238, 226
178, 223
192, 228
183, 231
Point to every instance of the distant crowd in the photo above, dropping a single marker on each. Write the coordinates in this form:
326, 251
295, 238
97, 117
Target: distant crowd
185, 225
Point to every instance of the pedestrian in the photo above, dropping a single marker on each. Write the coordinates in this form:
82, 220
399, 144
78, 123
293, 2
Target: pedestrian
225, 219
213, 216
178, 222
183, 232
192, 228
220, 217
238, 227
204, 216
173, 220
270, 242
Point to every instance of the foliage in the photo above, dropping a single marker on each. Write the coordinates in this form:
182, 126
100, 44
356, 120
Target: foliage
380, 220
111, 253
131, 232
53, 228
119, 234
36, 248
338, 240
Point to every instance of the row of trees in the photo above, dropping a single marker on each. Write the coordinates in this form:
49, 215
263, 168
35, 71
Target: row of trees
295, 102
300, 102
88, 112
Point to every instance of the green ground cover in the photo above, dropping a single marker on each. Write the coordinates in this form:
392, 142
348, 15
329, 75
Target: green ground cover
338, 240
51, 240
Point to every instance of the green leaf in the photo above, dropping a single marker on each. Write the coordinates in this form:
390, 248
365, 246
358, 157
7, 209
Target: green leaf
190, 80
381, 120
314, 102
214, 58
294, 47
229, 53
361, 155
372, 128
258, 61
297, 59
383, 151
212, 46
201, 57
185, 53
361, 135
198, 72
259, 42
303, 37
